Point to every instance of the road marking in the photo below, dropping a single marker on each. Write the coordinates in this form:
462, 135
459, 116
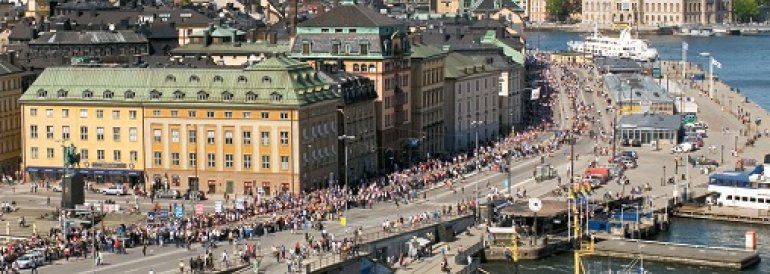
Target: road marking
125, 263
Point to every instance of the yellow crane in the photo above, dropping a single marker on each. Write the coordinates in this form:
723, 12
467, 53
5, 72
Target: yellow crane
583, 249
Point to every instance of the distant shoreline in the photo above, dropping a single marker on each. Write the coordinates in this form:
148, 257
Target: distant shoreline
580, 28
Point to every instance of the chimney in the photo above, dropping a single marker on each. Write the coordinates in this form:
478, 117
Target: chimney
292, 15
11, 56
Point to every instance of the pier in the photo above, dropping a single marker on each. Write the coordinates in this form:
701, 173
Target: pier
678, 253
728, 214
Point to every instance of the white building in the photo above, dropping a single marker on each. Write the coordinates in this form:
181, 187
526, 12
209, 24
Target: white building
471, 92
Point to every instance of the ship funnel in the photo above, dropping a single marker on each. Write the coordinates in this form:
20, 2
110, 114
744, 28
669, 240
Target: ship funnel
766, 165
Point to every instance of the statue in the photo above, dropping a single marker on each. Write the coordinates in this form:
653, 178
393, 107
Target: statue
71, 158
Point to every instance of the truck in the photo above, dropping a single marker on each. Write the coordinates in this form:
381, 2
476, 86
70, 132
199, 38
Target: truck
601, 174
683, 147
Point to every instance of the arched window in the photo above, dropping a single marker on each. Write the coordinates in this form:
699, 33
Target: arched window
227, 96
266, 80
242, 79
108, 94
355, 67
61, 93
194, 78
42, 93
178, 95
129, 95
218, 79
203, 96
170, 78
276, 97
155, 95
251, 96
372, 68
87, 94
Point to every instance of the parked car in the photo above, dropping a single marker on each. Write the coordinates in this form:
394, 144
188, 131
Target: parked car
630, 153
629, 163
201, 195
57, 188
168, 194
30, 259
683, 147
702, 161
114, 190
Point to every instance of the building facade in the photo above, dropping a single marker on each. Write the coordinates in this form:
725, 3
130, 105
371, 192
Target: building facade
610, 11
536, 11
357, 119
268, 128
663, 12
227, 46
428, 99
372, 45
10, 121
706, 12
472, 89
122, 44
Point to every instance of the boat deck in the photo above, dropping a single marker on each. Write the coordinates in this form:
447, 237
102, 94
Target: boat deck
678, 253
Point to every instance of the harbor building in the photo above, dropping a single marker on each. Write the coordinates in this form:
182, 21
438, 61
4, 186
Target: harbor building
472, 88
10, 121
372, 45
267, 128
644, 129
635, 93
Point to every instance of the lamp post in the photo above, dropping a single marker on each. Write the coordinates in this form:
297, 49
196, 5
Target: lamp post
345, 138
477, 123
712, 62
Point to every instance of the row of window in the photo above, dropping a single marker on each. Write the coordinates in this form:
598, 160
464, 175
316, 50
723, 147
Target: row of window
132, 114
192, 137
117, 155
65, 113
748, 199
155, 95
211, 160
133, 133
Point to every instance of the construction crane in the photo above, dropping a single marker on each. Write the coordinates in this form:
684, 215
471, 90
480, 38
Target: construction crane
583, 248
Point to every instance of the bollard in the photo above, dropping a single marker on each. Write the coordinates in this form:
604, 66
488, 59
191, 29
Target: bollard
751, 240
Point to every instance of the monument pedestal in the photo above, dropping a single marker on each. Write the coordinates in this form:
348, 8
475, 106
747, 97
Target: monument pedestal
73, 190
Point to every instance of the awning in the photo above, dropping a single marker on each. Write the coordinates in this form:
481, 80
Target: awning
86, 171
501, 230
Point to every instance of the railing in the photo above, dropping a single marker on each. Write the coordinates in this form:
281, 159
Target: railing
462, 255
471, 268
321, 262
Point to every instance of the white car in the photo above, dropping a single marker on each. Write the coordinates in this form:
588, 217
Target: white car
683, 147
30, 259
113, 190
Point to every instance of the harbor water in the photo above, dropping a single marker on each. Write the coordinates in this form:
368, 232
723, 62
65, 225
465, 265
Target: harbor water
744, 67
688, 231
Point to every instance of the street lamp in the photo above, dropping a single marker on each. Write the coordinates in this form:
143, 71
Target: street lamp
477, 123
345, 138
712, 62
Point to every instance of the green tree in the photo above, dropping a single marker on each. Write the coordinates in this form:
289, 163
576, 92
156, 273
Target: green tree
744, 10
557, 9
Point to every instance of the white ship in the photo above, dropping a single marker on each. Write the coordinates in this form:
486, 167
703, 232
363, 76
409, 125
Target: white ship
624, 46
749, 189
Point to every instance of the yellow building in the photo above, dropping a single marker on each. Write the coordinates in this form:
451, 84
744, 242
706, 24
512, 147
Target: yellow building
267, 128
10, 118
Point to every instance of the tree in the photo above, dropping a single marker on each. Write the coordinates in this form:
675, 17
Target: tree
557, 9
745, 10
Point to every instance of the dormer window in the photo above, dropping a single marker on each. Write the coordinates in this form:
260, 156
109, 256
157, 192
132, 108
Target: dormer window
306, 47
242, 79
218, 79
267, 80
194, 78
178, 95
251, 96
170, 78
335, 47
364, 47
61, 93
227, 96
87, 94
275, 97
155, 95
108, 94
41, 93
203, 96
129, 95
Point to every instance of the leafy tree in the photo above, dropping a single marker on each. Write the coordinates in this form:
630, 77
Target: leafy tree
744, 10
557, 10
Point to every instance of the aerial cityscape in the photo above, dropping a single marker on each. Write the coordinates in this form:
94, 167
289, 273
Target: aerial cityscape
363, 136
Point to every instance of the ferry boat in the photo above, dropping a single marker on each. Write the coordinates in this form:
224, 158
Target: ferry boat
624, 46
747, 189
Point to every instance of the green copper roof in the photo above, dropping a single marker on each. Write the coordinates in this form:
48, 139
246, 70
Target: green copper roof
218, 30
458, 66
515, 55
277, 81
420, 51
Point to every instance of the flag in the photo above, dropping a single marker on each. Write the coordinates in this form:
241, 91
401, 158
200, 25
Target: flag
685, 46
716, 63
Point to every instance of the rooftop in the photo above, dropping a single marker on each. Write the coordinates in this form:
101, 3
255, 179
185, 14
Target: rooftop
420, 51
234, 48
352, 16
89, 37
617, 65
460, 66
635, 88
277, 81
650, 121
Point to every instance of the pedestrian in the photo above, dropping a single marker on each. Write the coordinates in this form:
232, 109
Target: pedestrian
144, 250
33, 267
181, 266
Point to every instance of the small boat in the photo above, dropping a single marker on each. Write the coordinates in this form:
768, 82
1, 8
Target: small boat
702, 32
